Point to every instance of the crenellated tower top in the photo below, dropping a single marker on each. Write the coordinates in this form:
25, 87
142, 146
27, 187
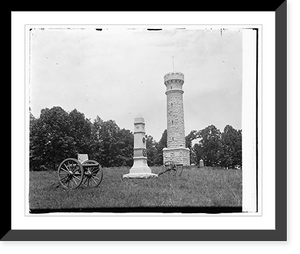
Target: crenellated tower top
174, 82
173, 77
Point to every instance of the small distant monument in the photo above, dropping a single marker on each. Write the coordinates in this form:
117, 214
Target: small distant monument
201, 163
140, 167
176, 151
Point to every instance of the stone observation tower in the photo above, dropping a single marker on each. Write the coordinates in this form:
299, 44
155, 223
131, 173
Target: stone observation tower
140, 167
176, 150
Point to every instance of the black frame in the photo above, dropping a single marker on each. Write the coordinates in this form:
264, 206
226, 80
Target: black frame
279, 234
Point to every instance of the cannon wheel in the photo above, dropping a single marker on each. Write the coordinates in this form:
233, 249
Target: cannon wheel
70, 173
93, 175
172, 169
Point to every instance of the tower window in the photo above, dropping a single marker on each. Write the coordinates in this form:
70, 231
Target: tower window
172, 121
171, 87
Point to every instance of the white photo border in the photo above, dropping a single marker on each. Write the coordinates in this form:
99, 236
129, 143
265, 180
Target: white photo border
266, 221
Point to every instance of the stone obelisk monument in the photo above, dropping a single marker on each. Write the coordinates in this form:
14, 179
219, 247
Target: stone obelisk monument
176, 150
140, 167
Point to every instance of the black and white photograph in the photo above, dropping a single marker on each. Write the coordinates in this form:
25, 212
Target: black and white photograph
148, 126
141, 118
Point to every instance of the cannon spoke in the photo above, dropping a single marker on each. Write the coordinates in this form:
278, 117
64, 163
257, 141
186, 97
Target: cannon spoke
74, 176
67, 172
88, 181
73, 180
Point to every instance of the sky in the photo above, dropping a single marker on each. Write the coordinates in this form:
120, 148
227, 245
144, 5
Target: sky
118, 73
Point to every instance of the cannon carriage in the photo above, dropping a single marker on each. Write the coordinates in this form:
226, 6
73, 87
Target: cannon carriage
172, 168
73, 173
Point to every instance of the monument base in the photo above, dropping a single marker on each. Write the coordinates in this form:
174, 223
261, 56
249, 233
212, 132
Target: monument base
140, 169
139, 175
180, 155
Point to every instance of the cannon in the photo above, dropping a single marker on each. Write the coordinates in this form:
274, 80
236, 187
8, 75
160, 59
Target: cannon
72, 173
172, 168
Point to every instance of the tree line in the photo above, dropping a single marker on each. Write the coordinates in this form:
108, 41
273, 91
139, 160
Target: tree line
57, 135
216, 148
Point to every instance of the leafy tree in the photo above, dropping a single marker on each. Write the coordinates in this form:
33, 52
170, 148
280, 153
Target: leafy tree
115, 145
96, 145
50, 142
125, 148
198, 152
238, 152
193, 135
231, 152
151, 150
108, 136
190, 137
32, 136
159, 148
216, 148
80, 131
209, 146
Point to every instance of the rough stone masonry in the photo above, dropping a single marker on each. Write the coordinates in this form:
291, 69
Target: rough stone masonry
176, 150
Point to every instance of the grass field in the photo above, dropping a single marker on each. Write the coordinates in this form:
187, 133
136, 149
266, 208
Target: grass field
196, 187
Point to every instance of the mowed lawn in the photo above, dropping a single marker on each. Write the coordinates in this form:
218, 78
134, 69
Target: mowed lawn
206, 187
